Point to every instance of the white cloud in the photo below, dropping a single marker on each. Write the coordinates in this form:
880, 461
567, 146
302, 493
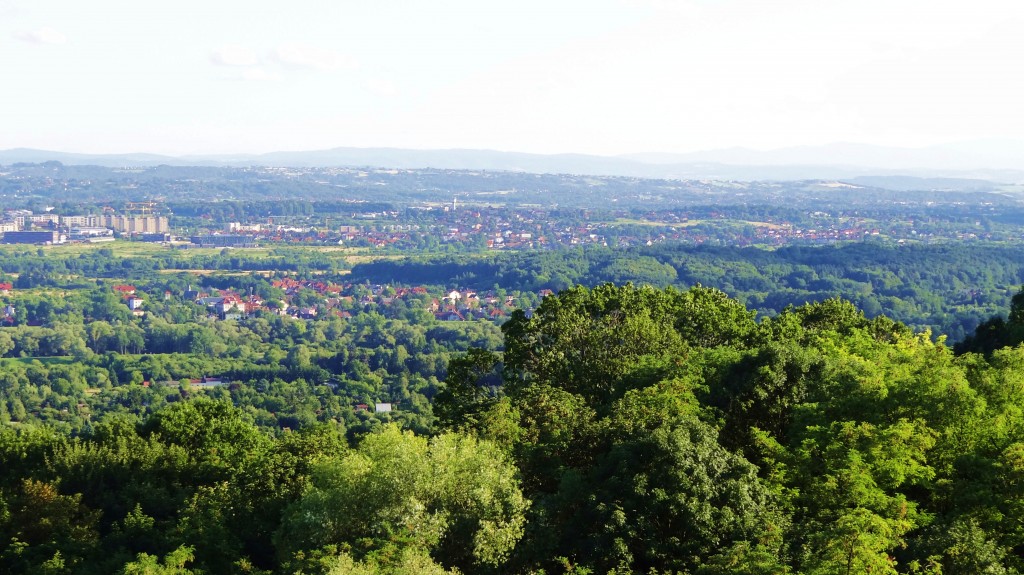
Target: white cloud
286, 56
382, 87
233, 55
259, 75
44, 35
307, 57
667, 7
10, 8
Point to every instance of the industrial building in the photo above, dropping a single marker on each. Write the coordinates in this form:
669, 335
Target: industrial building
224, 241
88, 234
33, 238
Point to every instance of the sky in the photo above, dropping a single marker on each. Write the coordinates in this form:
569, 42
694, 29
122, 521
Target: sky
600, 77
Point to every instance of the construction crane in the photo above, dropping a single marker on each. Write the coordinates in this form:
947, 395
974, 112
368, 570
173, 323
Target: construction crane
140, 208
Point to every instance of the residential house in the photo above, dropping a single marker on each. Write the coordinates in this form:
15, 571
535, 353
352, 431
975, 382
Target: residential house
231, 302
206, 383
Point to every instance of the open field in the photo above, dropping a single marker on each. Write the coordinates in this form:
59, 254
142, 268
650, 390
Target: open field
129, 249
47, 361
125, 248
215, 272
118, 248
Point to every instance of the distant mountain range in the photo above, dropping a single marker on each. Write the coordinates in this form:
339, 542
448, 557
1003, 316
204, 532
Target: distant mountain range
989, 160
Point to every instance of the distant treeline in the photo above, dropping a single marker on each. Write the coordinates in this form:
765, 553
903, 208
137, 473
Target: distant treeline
40, 268
948, 288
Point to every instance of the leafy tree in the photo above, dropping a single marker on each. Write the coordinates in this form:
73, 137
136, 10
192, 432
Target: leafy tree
408, 562
454, 496
668, 500
173, 564
43, 529
566, 342
6, 343
472, 386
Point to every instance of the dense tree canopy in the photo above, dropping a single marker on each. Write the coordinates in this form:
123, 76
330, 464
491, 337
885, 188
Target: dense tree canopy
619, 430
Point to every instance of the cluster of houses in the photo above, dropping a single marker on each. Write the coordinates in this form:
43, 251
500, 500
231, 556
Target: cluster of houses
131, 298
536, 228
230, 305
197, 383
453, 306
377, 407
465, 305
339, 301
786, 234
497, 228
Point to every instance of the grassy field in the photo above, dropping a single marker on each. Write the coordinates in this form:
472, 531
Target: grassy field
47, 361
119, 248
130, 249
136, 250
193, 262
215, 272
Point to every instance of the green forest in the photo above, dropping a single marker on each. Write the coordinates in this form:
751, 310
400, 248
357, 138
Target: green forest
615, 429
947, 288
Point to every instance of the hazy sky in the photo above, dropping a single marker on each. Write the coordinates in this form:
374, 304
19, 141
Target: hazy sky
600, 76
